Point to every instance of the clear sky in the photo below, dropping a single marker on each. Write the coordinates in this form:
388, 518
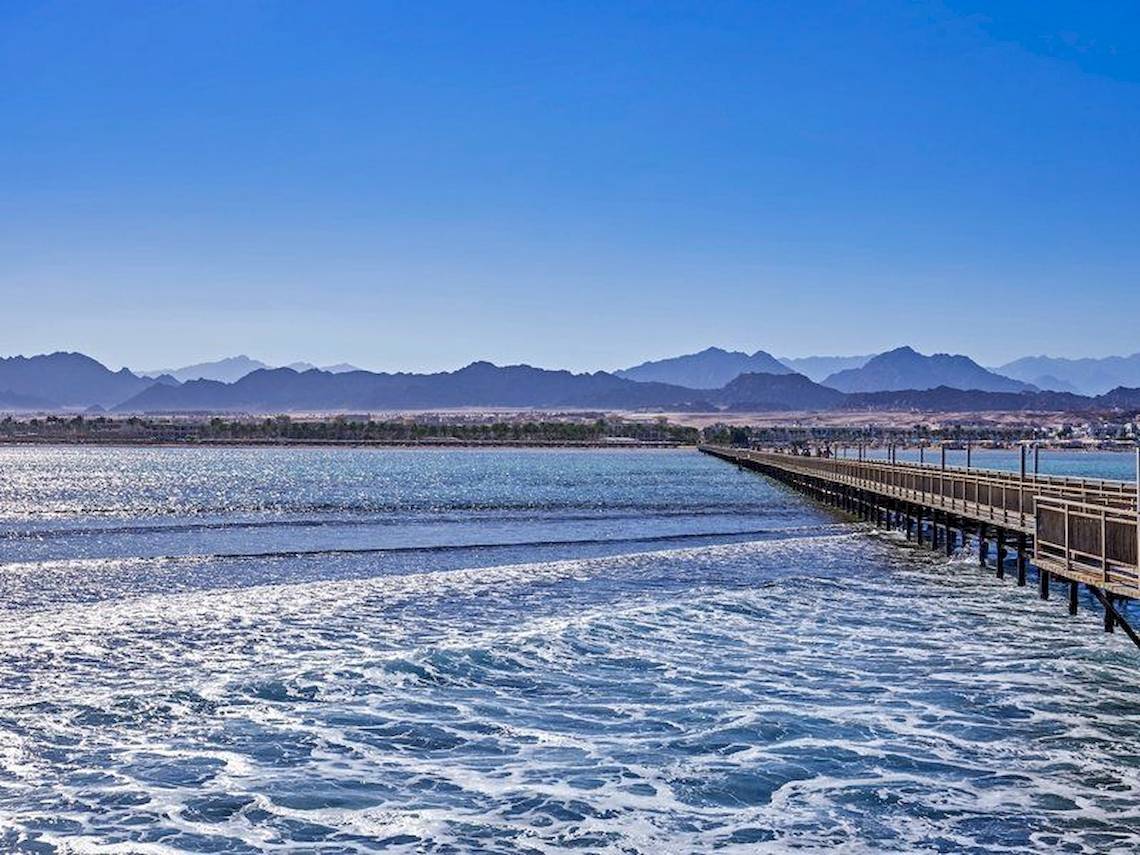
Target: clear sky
415, 185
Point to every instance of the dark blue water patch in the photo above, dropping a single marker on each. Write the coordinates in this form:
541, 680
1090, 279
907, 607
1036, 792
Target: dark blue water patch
343, 535
337, 516
161, 770
47, 585
739, 788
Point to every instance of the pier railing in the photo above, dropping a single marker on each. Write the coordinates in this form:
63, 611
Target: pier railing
989, 494
1095, 544
1083, 528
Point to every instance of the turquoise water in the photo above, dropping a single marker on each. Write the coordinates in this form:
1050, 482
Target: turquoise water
526, 651
1119, 466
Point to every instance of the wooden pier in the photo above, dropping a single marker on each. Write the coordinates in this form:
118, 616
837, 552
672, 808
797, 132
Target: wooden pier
1076, 531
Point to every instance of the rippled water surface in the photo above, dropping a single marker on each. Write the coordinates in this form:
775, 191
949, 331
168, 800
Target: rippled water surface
1117, 466
536, 651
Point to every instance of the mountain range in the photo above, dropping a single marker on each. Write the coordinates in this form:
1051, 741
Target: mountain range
714, 367
478, 384
1088, 376
899, 379
482, 384
895, 370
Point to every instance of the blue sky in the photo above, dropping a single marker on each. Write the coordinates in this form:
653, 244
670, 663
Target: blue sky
584, 185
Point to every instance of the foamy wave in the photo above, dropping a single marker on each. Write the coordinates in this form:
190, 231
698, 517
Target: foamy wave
813, 692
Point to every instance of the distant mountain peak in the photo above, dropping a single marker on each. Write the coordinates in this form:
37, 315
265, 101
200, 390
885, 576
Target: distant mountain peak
230, 369
906, 368
67, 379
227, 369
711, 368
818, 368
1087, 375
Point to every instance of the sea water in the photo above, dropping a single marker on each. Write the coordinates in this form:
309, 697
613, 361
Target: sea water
509, 651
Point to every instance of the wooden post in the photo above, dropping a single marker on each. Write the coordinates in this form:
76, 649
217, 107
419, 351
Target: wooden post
1109, 614
1022, 546
969, 449
918, 525
1001, 553
1073, 596
1021, 488
949, 539
1036, 459
1043, 583
982, 547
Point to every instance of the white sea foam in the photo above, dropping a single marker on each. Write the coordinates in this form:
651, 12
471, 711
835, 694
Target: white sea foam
607, 721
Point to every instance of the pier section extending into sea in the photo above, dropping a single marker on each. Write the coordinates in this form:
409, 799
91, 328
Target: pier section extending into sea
1075, 531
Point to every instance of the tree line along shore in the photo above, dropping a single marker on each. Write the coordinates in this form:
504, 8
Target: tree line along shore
535, 430
345, 430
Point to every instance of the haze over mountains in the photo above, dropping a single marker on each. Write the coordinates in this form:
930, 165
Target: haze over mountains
478, 384
1088, 376
899, 379
895, 370
482, 384
818, 368
233, 368
714, 367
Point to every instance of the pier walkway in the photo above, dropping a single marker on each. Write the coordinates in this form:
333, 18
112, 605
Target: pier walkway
1077, 530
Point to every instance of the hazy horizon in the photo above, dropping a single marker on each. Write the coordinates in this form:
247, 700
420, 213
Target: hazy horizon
392, 369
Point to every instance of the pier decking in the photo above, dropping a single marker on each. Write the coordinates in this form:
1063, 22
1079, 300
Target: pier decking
1077, 530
